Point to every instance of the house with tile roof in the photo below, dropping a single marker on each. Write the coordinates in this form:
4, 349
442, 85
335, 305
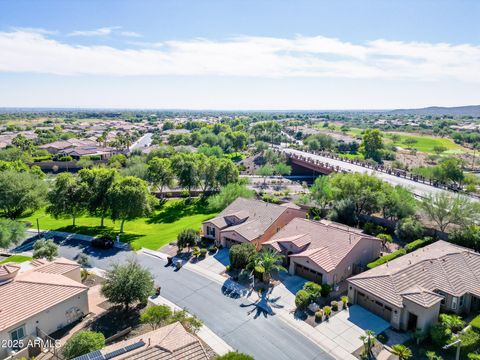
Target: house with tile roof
46, 297
412, 290
248, 220
170, 342
324, 251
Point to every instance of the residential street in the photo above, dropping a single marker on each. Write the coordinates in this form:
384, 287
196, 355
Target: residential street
264, 338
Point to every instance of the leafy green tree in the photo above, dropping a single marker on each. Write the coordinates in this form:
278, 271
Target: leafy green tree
187, 170
128, 283
282, 169
440, 334
372, 145
130, 199
452, 321
444, 209
265, 171
83, 342
266, 262
321, 192
19, 192
156, 315
227, 172
45, 249
398, 202
451, 171
190, 322
68, 197
229, 194
235, 356
468, 236
98, 182
241, 255
409, 229
11, 232
187, 238
401, 351
160, 173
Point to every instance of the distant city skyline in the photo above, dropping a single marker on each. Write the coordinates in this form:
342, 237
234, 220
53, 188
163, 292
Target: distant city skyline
239, 55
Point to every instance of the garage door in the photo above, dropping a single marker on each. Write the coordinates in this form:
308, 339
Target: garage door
377, 307
229, 242
308, 273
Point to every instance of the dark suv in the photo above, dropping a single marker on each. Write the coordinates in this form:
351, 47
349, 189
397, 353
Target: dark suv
102, 242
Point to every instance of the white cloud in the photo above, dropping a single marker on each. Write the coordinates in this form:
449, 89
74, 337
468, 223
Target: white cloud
130, 34
104, 31
316, 56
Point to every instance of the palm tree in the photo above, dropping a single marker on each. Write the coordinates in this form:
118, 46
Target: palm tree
267, 261
368, 341
401, 351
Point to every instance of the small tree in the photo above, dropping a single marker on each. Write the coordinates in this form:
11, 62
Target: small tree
160, 173
265, 171
266, 262
302, 299
401, 351
189, 322
128, 283
409, 229
368, 341
82, 343
241, 255
45, 249
187, 238
156, 315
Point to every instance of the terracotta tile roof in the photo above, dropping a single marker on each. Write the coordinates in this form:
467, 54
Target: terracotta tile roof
9, 269
59, 266
257, 217
325, 243
33, 292
442, 266
421, 296
171, 342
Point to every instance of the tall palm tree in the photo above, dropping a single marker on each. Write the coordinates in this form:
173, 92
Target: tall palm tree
401, 351
268, 261
368, 341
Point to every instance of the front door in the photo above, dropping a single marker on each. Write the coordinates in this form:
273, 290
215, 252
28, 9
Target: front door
412, 322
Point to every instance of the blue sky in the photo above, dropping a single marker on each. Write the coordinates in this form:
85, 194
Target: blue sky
239, 54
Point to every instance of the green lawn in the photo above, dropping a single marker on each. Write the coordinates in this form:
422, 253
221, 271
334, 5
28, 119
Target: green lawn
16, 258
426, 143
152, 232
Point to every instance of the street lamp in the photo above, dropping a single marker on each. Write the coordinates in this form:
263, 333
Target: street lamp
456, 342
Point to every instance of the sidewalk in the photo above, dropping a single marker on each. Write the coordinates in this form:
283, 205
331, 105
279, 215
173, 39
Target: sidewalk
208, 336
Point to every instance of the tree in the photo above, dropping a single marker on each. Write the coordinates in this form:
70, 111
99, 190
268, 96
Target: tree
240, 255
264, 171
302, 299
23, 143
160, 173
368, 341
438, 149
450, 170
19, 192
444, 209
409, 229
401, 351
130, 199
398, 202
98, 182
266, 262
83, 342
45, 249
68, 197
227, 172
229, 194
156, 315
234, 356
321, 192
11, 232
468, 236
189, 322
187, 238
372, 144
282, 169
186, 169
452, 321
128, 283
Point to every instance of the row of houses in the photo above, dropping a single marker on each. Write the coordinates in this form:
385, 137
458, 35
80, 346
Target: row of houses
409, 292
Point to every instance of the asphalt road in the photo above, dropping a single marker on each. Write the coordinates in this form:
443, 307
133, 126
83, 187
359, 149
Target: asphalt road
265, 337
417, 188
143, 142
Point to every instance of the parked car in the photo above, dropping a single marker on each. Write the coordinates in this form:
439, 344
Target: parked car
102, 242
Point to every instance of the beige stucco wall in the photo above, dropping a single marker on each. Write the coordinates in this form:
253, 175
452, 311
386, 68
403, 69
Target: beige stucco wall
74, 274
426, 317
217, 232
326, 277
50, 320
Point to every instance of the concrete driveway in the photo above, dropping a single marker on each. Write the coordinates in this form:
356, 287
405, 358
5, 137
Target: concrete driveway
345, 328
215, 263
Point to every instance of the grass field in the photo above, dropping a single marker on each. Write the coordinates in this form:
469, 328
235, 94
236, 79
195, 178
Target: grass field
152, 232
16, 258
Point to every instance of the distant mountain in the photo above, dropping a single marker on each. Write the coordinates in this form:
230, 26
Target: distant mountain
471, 110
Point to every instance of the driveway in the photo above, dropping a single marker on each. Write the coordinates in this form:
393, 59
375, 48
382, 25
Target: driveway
345, 328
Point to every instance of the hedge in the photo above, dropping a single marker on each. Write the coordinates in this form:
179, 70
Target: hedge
386, 258
475, 323
417, 244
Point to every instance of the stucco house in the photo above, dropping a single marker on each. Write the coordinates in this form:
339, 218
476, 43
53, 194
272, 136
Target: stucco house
324, 251
40, 300
247, 220
169, 342
412, 290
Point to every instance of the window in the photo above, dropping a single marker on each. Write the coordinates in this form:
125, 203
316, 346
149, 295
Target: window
18, 333
211, 231
461, 300
454, 302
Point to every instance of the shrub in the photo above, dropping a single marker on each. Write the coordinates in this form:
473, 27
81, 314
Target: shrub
345, 301
196, 251
212, 249
203, 252
326, 290
82, 343
475, 323
440, 334
228, 268
241, 255
187, 238
409, 229
452, 321
373, 229
334, 305
384, 259
417, 244
318, 315
156, 315
327, 310
386, 238
470, 341
65, 158
313, 289
234, 356
302, 299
